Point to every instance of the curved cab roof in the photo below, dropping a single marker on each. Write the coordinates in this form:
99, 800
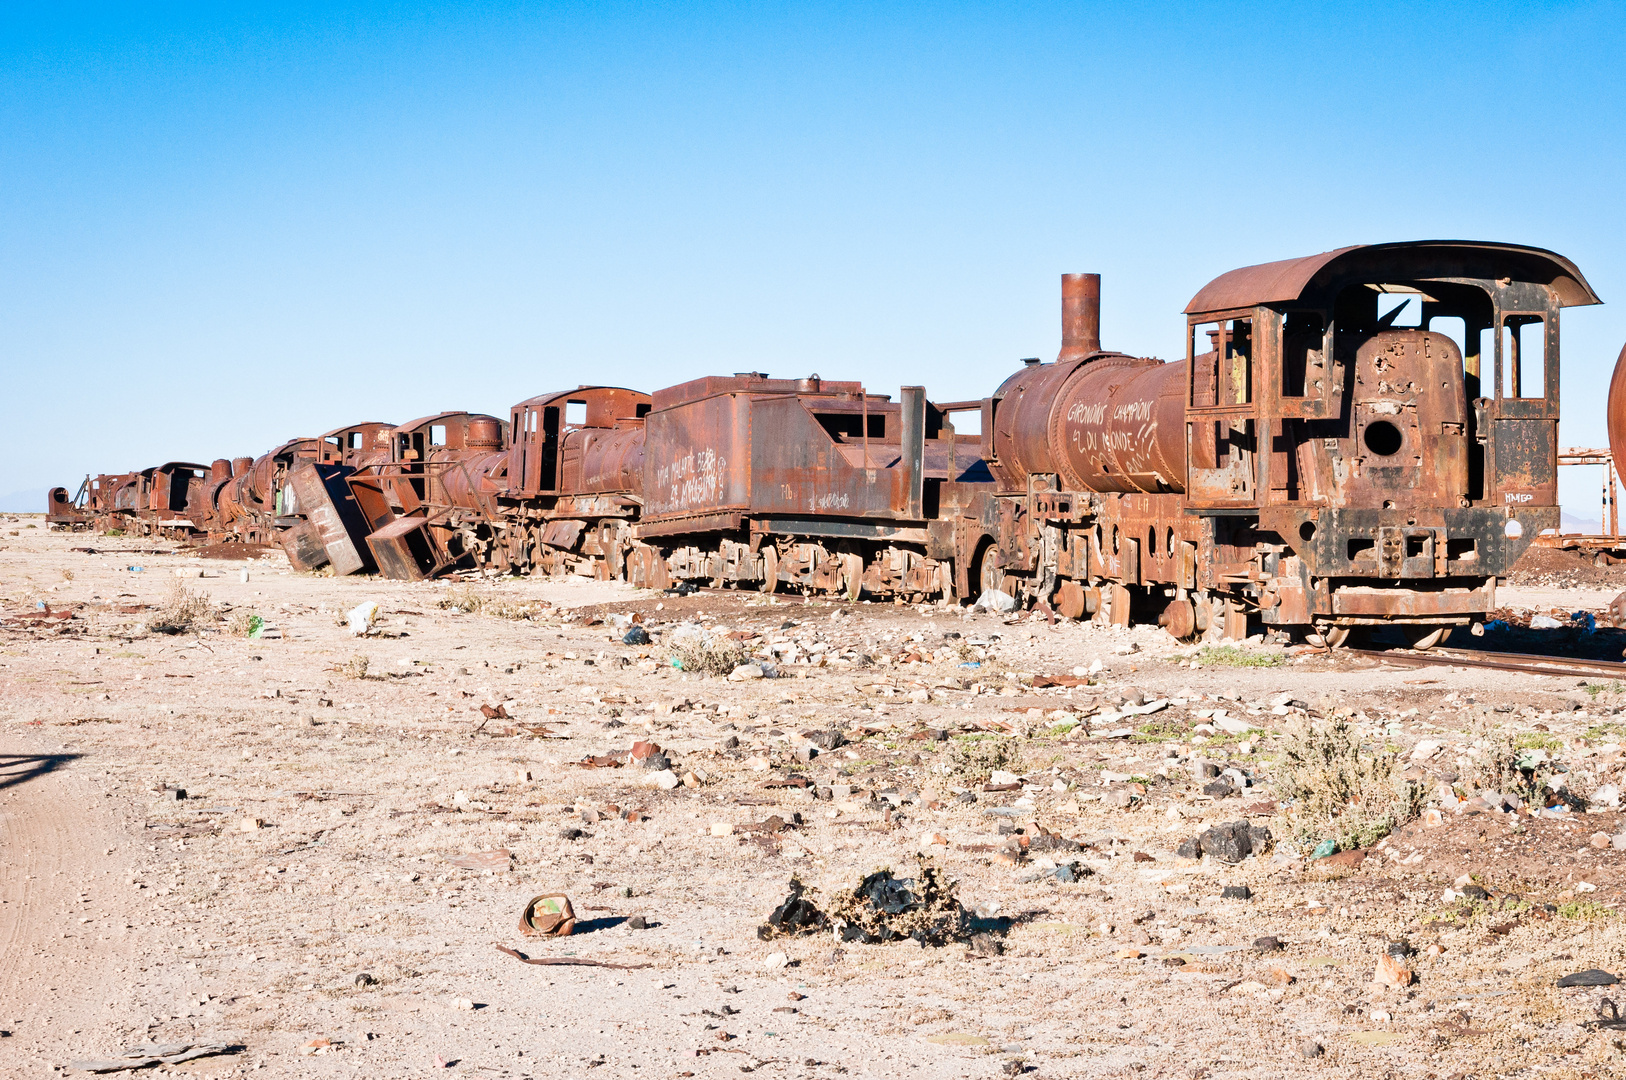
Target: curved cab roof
1312, 278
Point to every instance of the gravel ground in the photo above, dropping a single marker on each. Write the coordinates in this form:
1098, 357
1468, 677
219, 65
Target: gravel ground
302, 903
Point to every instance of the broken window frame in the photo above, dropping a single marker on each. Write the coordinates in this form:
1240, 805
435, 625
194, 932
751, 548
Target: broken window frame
1231, 415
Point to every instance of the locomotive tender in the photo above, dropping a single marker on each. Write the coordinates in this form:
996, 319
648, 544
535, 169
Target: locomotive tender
1359, 438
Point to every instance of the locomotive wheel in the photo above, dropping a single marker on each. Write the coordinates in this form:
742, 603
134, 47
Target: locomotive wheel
990, 575
1331, 637
770, 569
852, 575
1424, 638
1179, 619
1070, 600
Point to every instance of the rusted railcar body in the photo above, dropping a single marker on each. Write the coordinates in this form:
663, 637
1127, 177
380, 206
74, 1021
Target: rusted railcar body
406, 502
1313, 461
552, 490
319, 523
802, 483
96, 504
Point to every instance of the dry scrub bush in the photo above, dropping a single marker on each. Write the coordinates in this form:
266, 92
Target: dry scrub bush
1338, 790
182, 610
243, 624
1506, 764
469, 600
516, 609
708, 655
974, 757
464, 599
356, 667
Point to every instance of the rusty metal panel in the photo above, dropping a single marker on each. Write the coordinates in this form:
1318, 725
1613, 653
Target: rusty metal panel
1526, 462
1410, 422
1368, 600
407, 550
563, 533
801, 470
697, 458
303, 546
325, 499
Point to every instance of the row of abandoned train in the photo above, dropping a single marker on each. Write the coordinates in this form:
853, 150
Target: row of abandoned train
1358, 438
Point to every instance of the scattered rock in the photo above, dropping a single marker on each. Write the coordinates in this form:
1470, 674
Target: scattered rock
1393, 972
1350, 859
1236, 892
1589, 977
1231, 842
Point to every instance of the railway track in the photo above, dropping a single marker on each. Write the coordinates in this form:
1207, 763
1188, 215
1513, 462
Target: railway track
1530, 663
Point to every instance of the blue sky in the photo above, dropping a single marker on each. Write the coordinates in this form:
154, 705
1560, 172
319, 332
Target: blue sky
222, 228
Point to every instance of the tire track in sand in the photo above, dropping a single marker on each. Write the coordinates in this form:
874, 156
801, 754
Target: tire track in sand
67, 912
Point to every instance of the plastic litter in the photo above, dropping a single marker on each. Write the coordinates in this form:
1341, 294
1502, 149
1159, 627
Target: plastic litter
1545, 622
362, 618
994, 600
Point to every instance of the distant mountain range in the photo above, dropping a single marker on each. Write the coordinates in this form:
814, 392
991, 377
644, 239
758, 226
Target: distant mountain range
30, 501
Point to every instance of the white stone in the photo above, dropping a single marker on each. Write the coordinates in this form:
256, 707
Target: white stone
1424, 750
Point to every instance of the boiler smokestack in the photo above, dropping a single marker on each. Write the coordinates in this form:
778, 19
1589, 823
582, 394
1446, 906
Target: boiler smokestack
1080, 316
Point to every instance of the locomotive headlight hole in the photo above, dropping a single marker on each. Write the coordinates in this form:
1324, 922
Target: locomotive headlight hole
1382, 438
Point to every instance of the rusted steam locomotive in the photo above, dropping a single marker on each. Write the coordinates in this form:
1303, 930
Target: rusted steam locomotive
1362, 437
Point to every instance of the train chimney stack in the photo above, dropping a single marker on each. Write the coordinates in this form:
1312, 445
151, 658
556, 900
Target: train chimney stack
1080, 316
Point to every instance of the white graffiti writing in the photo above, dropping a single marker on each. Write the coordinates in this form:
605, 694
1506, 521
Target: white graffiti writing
1087, 414
695, 479
832, 500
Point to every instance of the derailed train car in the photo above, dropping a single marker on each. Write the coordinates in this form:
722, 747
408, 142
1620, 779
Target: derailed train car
1360, 438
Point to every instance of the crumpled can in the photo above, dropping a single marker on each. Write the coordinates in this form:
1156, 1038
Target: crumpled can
549, 915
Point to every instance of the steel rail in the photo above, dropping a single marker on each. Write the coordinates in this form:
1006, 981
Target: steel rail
1526, 662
